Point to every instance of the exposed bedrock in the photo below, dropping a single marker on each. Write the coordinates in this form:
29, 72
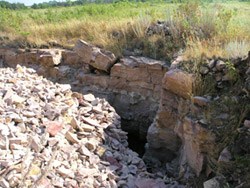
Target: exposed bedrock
156, 101
195, 132
132, 85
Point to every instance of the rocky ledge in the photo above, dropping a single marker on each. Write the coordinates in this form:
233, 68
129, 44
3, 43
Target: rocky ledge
194, 114
53, 137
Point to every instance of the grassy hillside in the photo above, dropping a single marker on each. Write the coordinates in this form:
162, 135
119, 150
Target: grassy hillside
197, 29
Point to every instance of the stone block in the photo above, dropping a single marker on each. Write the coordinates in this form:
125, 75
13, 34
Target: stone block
130, 73
72, 59
196, 141
96, 57
49, 58
179, 82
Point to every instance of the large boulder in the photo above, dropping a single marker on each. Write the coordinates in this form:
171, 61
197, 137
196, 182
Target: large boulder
179, 82
94, 56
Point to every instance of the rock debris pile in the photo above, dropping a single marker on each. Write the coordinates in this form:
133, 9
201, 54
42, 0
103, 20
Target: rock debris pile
53, 137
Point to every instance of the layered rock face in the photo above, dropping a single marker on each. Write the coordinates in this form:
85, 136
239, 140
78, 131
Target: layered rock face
176, 90
197, 130
130, 85
187, 127
53, 137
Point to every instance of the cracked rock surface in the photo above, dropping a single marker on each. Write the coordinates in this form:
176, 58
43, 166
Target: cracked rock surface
53, 137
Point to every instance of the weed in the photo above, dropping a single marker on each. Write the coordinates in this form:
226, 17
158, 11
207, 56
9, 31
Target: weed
232, 73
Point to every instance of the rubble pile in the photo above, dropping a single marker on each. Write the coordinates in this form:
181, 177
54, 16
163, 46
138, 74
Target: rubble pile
53, 137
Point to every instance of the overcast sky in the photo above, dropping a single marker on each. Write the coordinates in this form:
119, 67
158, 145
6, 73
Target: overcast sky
27, 2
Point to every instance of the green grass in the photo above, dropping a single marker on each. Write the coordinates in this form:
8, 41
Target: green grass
226, 27
93, 12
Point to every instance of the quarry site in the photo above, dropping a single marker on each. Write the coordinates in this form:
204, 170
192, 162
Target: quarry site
122, 94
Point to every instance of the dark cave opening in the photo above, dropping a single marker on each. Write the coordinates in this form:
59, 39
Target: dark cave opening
136, 140
136, 143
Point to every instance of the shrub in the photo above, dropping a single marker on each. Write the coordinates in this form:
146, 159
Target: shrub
236, 48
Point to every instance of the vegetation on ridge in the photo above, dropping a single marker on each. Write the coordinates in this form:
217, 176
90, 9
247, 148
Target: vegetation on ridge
214, 29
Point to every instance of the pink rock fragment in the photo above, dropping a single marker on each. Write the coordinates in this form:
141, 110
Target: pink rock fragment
45, 183
53, 127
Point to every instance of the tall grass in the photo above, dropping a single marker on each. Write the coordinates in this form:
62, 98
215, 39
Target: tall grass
216, 30
210, 29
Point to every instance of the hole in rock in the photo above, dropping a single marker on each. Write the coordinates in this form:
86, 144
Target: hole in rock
136, 140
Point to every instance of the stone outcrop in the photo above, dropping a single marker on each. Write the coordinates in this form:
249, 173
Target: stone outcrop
186, 126
172, 131
53, 137
139, 71
176, 87
134, 83
191, 127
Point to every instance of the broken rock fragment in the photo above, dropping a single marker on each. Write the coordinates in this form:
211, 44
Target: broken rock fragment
53, 127
96, 57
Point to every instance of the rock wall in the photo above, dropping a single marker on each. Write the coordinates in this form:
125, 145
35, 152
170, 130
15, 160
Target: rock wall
132, 84
196, 130
187, 126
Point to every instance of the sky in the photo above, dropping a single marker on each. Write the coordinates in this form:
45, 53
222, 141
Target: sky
27, 2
